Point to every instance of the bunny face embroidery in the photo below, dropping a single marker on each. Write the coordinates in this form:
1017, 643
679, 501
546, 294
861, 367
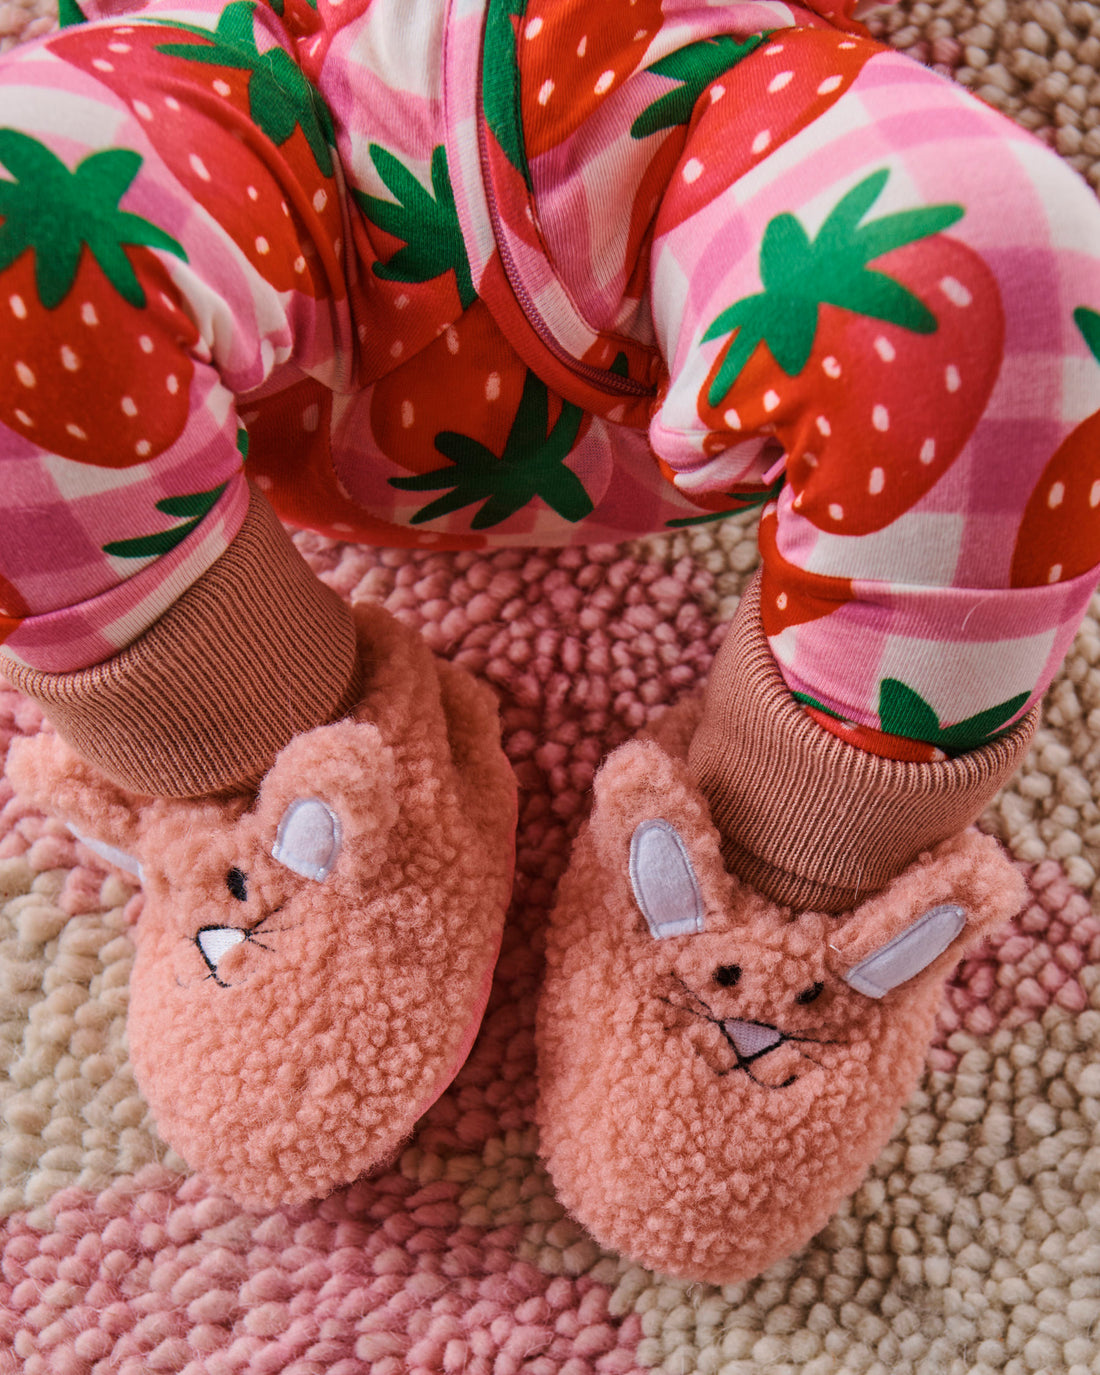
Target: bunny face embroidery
312, 963
716, 1072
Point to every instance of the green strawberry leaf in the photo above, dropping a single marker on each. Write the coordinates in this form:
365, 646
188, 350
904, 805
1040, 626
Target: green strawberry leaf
280, 98
800, 274
902, 711
429, 227
532, 465
695, 68
70, 14
742, 501
806, 700
195, 506
500, 89
1088, 322
57, 214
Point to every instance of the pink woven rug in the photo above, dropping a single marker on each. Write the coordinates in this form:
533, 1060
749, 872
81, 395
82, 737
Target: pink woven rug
973, 1246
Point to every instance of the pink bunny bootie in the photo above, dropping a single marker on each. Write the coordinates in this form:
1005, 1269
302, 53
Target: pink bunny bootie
313, 958
719, 1063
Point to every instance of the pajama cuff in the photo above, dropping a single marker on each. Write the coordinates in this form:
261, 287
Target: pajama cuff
255, 651
809, 820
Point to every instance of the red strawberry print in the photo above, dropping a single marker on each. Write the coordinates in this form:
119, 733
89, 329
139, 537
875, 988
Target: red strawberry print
871, 378
788, 594
1059, 535
95, 349
290, 237
571, 58
778, 90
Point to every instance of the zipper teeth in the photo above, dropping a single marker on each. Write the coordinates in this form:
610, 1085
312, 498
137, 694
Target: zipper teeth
600, 377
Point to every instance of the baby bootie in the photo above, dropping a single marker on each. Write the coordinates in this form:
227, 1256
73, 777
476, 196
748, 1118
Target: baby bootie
734, 1013
314, 956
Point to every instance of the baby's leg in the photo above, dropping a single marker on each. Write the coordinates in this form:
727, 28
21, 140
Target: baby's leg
891, 284
173, 228
173, 217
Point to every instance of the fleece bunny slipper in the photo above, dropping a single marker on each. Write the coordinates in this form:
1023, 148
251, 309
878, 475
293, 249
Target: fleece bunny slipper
716, 1071
313, 962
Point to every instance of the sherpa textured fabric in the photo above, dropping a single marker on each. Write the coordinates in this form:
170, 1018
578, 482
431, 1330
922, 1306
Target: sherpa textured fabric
973, 1246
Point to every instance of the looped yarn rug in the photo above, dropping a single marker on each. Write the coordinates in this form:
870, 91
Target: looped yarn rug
974, 1244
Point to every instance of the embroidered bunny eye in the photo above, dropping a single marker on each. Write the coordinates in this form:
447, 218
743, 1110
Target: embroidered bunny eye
809, 994
237, 883
727, 975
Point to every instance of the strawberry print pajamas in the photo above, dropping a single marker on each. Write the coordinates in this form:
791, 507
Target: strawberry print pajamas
457, 273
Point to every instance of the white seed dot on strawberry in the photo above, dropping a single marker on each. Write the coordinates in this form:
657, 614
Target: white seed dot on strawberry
761, 141
262, 245
1055, 572
285, 208
199, 167
397, 348
831, 367
797, 502
546, 90
172, 382
143, 448
145, 344
732, 419
172, 102
877, 481
252, 193
846, 46
830, 84
102, 65
320, 200
408, 414
781, 601
717, 91
928, 451
693, 170
264, 482
1094, 494
129, 406
453, 341
1056, 494
639, 34
299, 264
880, 419
780, 82
75, 431
24, 419
142, 110
25, 375
774, 50
118, 47
604, 82
809, 459
69, 360
836, 511
88, 314
582, 46
771, 401
534, 28
885, 350
492, 387
823, 426
952, 378
223, 88
955, 292
18, 307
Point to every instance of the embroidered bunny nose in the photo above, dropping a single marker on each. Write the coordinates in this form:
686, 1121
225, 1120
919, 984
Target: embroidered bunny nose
751, 1038
215, 941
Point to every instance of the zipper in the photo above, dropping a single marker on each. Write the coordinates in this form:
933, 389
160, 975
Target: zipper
597, 377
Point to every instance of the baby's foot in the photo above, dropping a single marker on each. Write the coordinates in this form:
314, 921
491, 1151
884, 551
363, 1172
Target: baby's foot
717, 1072
313, 962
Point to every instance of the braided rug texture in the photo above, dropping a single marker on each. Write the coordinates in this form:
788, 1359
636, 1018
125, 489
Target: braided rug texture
974, 1244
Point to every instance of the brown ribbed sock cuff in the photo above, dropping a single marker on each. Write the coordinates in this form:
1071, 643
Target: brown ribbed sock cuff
255, 652
808, 820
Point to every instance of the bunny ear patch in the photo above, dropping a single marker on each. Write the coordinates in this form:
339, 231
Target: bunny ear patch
664, 883
308, 839
111, 853
908, 954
